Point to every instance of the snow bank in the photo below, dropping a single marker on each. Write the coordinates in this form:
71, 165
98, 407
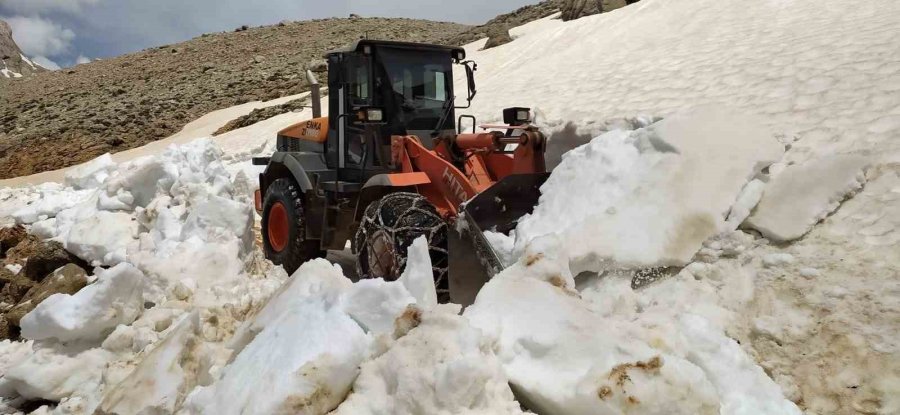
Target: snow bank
804, 194
565, 355
650, 197
302, 351
57, 372
443, 366
160, 382
179, 239
46, 201
91, 313
91, 174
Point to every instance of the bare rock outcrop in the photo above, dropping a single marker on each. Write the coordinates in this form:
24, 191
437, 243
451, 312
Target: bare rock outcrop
574, 9
61, 118
497, 36
14, 63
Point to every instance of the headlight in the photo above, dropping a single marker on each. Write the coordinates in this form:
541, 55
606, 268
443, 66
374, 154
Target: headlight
522, 115
374, 115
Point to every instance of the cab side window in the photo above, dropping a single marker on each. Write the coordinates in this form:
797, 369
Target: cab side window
360, 84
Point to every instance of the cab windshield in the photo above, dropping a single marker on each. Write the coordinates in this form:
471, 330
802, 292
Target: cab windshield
417, 85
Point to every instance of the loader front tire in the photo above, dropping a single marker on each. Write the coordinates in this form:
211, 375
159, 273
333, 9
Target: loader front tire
389, 227
283, 227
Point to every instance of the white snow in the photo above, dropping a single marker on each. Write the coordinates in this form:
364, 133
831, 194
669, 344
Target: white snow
418, 277
562, 356
90, 174
91, 313
28, 61
815, 70
106, 247
57, 372
8, 73
375, 304
651, 196
804, 194
302, 348
443, 366
46, 200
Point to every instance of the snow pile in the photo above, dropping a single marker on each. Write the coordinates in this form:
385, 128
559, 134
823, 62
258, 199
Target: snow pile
159, 383
41, 202
183, 276
565, 355
442, 366
91, 174
803, 194
171, 216
55, 372
303, 351
91, 313
650, 197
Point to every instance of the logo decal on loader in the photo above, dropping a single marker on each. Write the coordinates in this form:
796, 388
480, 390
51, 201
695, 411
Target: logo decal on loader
312, 129
454, 185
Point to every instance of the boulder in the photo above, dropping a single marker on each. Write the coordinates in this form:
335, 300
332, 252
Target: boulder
13, 286
497, 36
66, 280
10, 237
5, 328
318, 65
574, 9
40, 258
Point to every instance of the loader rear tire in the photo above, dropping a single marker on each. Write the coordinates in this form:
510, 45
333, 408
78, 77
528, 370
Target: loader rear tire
389, 226
283, 227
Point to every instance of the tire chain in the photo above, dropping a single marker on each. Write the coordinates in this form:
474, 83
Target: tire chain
372, 221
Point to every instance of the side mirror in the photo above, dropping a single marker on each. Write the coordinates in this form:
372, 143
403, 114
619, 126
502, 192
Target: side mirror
471, 67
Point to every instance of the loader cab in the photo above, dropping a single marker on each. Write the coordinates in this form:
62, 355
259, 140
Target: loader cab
382, 88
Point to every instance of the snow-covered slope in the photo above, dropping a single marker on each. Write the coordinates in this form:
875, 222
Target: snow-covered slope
714, 107
824, 71
824, 78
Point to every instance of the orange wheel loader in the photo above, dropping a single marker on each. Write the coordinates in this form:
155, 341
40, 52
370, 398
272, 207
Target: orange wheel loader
390, 163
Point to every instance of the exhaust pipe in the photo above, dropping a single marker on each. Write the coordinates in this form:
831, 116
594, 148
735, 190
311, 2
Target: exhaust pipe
314, 94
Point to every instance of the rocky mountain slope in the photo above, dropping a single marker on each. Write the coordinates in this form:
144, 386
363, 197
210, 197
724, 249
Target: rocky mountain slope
14, 63
65, 117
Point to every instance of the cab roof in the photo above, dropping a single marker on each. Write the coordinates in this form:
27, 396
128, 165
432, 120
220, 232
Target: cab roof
357, 46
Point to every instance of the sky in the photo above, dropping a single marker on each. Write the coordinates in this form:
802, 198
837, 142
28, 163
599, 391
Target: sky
67, 32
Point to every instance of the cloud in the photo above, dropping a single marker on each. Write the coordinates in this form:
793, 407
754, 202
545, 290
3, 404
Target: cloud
44, 62
34, 7
40, 37
82, 59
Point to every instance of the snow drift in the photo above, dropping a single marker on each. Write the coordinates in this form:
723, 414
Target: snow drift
650, 197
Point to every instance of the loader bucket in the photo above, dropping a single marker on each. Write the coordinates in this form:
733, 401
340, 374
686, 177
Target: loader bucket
472, 259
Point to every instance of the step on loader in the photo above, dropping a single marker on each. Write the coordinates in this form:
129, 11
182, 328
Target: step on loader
391, 163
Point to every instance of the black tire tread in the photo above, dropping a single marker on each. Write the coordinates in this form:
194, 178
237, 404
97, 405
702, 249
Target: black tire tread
299, 249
